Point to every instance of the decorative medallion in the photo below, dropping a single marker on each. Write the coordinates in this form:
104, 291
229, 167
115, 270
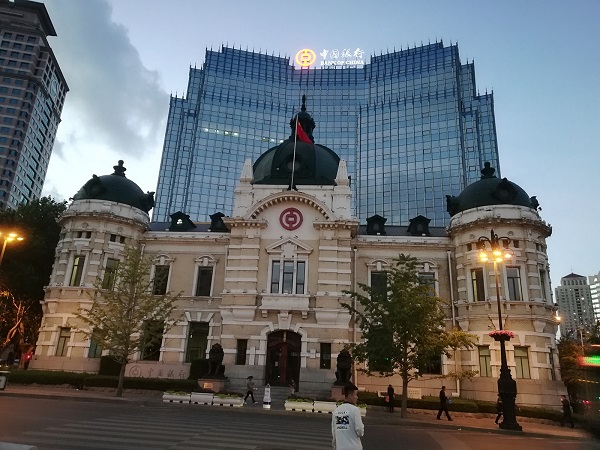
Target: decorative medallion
290, 219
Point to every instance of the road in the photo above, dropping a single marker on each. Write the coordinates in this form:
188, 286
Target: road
64, 424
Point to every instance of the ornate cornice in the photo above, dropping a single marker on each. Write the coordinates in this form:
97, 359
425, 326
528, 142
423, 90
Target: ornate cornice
539, 225
288, 196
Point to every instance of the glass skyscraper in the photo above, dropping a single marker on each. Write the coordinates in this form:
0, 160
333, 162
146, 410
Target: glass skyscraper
410, 124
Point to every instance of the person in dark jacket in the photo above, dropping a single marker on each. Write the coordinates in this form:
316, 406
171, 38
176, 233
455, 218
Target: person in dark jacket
567, 416
390, 394
499, 408
443, 404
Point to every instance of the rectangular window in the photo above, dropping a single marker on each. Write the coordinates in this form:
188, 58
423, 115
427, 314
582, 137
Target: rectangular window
110, 272
552, 367
197, 341
63, 340
513, 278
485, 366
77, 271
161, 279
152, 334
288, 277
379, 284
543, 285
240, 352
521, 362
432, 366
95, 349
428, 279
204, 281
477, 285
325, 359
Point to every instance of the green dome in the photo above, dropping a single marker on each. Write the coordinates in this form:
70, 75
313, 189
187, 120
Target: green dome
489, 190
116, 188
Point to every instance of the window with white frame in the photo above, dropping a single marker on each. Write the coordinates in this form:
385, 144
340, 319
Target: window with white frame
513, 283
477, 285
543, 278
161, 279
288, 277
428, 279
204, 279
64, 336
485, 364
521, 362
110, 272
378, 283
77, 270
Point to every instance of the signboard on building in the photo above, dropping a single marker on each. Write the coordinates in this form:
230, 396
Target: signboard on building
335, 58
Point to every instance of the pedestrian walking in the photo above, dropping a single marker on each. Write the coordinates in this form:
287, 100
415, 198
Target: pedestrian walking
499, 408
390, 398
443, 404
292, 387
567, 416
346, 424
250, 389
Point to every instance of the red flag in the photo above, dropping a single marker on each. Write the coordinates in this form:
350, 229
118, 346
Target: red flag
301, 134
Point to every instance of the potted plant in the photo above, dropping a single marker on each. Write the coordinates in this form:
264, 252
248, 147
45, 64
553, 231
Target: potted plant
228, 399
294, 403
176, 397
203, 397
501, 335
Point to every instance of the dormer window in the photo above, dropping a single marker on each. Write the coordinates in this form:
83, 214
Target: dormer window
376, 225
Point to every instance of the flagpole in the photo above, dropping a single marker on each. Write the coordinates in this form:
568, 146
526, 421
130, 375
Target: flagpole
294, 154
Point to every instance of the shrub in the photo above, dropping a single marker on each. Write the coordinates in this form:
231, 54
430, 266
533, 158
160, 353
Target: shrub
198, 369
52, 377
156, 384
293, 398
228, 395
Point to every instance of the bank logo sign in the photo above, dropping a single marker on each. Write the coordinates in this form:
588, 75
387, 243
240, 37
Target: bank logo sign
332, 59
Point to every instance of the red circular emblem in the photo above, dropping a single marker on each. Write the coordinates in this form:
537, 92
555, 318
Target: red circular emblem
290, 219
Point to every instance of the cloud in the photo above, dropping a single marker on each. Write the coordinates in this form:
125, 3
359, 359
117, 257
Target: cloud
115, 101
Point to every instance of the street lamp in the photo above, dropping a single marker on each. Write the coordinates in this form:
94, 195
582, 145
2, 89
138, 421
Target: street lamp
8, 237
507, 387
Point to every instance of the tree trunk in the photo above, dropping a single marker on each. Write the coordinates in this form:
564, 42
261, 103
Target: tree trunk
121, 379
404, 396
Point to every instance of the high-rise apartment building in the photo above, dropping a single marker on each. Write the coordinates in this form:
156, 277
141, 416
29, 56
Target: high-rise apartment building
594, 282
32, 94
574, 298
410, 125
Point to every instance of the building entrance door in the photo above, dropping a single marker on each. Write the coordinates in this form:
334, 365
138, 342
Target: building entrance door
283, 358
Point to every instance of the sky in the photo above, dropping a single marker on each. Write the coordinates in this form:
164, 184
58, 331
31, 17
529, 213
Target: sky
123, 58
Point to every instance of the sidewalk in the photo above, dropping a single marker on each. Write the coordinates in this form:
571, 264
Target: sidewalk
375, 415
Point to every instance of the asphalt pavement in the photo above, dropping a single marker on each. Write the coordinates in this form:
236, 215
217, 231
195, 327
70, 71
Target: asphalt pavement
375, 414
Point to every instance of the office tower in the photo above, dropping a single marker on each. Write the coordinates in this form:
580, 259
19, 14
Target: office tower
594, 281
410, 125
32, 94
574, 298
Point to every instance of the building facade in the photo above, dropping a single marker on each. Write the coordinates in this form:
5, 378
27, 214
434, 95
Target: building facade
267, 282
410, 124
574, 298
594, 282
32, 95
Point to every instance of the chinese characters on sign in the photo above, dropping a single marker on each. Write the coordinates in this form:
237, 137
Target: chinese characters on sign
342, 58
331, 59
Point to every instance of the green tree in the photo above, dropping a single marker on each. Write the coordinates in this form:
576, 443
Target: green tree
403, 328
26, 269
127, 317
569, 351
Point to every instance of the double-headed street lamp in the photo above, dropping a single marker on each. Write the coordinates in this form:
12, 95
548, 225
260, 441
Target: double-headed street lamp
8, 237
507, 387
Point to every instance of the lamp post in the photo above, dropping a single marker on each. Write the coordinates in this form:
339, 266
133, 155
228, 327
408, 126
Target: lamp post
507, 387
8, 237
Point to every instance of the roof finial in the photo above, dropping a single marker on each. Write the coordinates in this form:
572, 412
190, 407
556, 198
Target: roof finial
487, 171
303, 103
119, 170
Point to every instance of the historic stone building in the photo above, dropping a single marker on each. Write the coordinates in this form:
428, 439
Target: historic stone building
267, 282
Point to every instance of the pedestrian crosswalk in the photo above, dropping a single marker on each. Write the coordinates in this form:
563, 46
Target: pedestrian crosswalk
176, 431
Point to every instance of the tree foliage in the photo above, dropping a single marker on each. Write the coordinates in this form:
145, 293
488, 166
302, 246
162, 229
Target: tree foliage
569, 351
403, 328
26, 268
127, 317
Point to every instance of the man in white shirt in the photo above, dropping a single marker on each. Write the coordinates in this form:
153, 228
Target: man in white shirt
346, 424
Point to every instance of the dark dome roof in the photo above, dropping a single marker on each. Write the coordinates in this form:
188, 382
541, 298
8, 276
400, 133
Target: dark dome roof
489, 190
116, 188
314, 164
